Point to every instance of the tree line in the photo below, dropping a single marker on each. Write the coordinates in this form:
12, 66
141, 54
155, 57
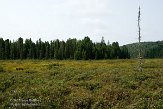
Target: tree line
148, 49
55, 49
155, 50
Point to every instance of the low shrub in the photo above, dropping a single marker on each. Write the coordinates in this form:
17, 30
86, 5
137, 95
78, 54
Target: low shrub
50, 66
53, 73
159, 104
93, 86
1, 69
85, 103
30, 71
6, 84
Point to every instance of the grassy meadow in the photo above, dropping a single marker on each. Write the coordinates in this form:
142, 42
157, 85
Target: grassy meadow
92, 84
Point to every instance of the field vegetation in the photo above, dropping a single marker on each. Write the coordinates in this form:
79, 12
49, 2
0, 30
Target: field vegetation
91, 84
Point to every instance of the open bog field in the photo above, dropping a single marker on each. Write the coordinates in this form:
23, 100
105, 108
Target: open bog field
70, 84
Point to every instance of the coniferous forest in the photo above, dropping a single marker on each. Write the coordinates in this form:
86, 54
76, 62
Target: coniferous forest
71, 49
149, 49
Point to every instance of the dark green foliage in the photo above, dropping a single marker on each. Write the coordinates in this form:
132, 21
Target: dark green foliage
2, 48
6, 84
92, 86
1, 69
84, 103
30, 71
77, 55
124, 52
115, 51
7, 48
71, 49
148, 49
20, 48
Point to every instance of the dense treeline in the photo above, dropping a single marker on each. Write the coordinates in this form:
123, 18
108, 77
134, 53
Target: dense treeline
149, 49
56, 49
155, 51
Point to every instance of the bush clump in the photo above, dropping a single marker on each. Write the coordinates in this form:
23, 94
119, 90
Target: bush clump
30, 71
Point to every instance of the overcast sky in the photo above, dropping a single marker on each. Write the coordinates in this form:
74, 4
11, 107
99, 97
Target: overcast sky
115, 20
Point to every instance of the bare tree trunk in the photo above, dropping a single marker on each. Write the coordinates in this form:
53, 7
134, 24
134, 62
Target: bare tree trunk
139, 44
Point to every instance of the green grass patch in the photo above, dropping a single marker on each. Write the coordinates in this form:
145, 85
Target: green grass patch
91, 84
1, 69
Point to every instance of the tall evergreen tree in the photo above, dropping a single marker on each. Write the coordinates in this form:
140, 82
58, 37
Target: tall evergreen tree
47, 50
7, 49
56, 49
115, 51
2, 48
124, 53
87, 48
20, 48
51, 49
61, 52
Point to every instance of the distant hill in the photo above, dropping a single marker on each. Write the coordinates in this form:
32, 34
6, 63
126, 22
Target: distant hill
149, 49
